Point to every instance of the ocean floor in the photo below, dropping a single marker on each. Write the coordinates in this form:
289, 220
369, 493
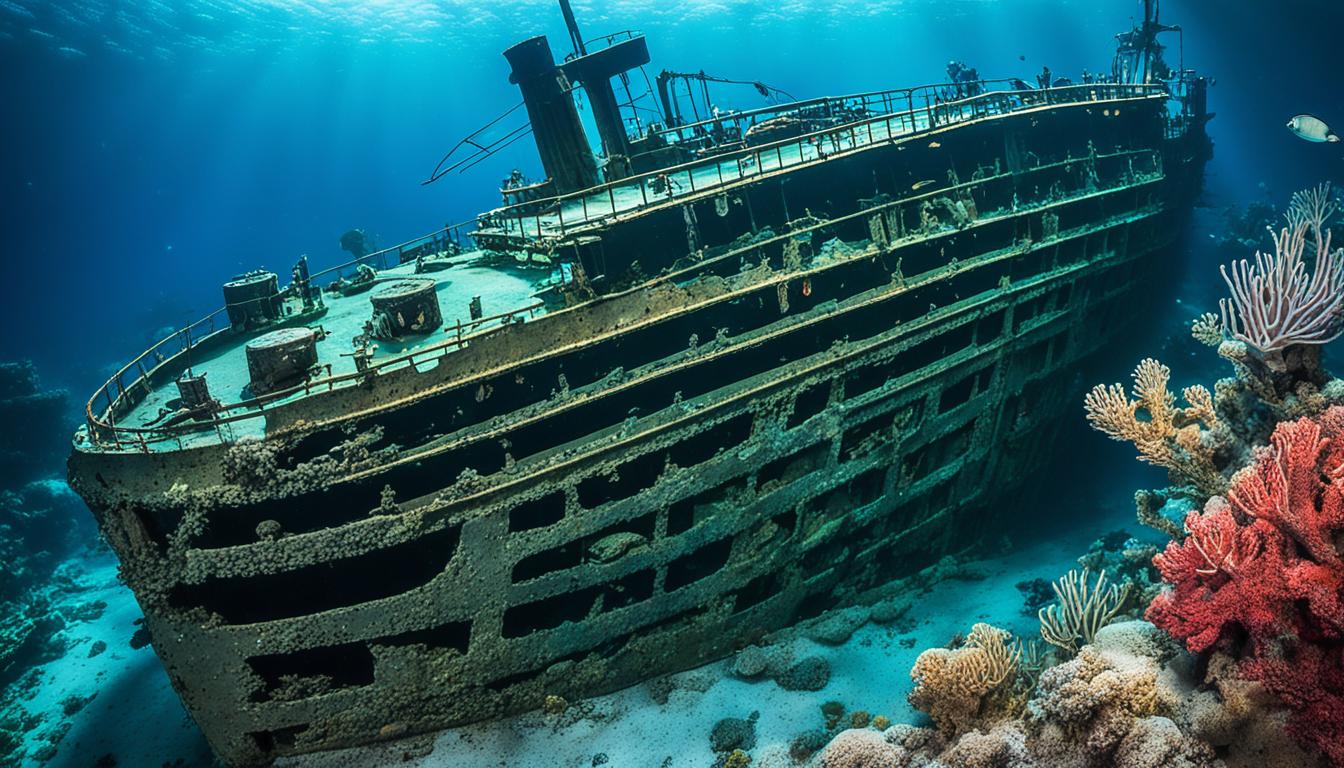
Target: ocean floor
103, 696
134, 719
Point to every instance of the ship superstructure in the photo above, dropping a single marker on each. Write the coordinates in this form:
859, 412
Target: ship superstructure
765, 372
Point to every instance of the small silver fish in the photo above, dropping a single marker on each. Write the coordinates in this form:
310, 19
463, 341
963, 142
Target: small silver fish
1311, 129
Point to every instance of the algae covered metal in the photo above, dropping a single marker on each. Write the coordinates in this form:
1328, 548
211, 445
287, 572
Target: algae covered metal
752, 380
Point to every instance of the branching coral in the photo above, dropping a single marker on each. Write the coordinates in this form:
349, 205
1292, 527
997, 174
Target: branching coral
1312, 207
1081, 610
1207, 329
1284, 485
1309, 679
1275, 304
1168, 436
1002, 651
1261, 572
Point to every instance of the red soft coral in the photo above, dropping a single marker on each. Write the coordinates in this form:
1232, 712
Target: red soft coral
1284, 486
1262, 568
1309, 681
1223, 574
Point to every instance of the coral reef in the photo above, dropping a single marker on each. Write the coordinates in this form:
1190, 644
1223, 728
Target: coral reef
1164, 435
42, 524
859, 748
1130, 699
1260, 574
963, 687
1271, 330
1255, 572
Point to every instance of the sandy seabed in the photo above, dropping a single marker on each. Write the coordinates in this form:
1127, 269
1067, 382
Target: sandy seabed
135, 718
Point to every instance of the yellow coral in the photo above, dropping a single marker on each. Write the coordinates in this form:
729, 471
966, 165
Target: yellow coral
1169, 436
1207, 329
952, 685
949, 685
1003, 656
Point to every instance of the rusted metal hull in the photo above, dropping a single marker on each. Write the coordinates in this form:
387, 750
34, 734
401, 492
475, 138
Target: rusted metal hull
649, 480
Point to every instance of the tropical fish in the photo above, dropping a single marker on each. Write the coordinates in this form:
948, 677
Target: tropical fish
934, 145
922, 184
1311, 129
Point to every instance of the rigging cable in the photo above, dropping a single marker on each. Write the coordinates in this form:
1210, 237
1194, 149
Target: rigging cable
488, 149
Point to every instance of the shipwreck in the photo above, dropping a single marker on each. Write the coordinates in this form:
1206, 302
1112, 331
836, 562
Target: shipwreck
712, 376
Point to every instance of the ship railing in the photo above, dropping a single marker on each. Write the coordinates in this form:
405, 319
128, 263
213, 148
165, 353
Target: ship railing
1186, 93
136, 379
116, 396
450, 239
868, 103
607, 40
559, 215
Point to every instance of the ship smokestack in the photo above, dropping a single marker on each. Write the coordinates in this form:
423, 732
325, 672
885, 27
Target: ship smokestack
561, 142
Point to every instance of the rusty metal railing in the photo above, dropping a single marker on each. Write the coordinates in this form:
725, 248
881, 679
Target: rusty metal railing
874, 103
450, 236
105, 433
134, 380
118, 395
556, 216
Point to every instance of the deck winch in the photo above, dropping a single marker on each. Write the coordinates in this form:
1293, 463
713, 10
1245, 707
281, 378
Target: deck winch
407, 307
253, 299
280, 358
195, 393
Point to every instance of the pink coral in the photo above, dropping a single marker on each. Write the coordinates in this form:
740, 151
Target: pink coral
1275, 304
1262, 569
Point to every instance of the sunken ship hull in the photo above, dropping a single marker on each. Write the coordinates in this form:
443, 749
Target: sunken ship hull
763, 398
652, 479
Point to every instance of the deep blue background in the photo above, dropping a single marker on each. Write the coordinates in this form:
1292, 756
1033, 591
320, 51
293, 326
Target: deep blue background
151, 150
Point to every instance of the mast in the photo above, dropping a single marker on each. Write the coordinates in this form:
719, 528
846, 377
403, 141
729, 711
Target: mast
1138, 57
572, 25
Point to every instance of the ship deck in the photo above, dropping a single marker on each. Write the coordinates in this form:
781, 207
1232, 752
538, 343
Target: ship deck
585, 209
504, 289
123, 414
637, 193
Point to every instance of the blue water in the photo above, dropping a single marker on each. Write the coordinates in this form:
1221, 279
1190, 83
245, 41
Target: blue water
153, 149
